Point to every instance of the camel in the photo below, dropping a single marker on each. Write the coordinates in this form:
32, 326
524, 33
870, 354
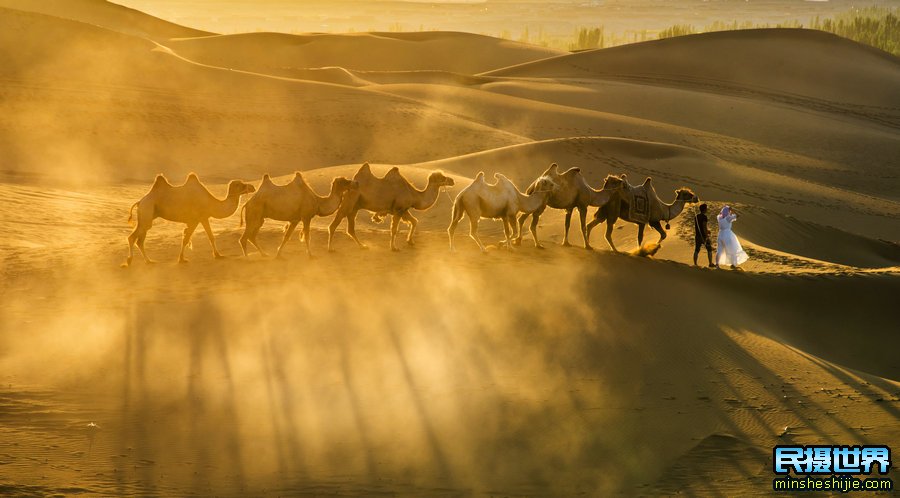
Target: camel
391, 195
190, 203
293, 202
641, 206
573, 193
500, 200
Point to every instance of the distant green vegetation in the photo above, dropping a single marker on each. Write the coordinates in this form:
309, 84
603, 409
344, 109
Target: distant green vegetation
878, 27
676, 30
875, 26
588, 38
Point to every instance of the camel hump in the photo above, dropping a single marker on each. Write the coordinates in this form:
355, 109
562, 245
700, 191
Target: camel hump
554, 168
393, 172
480, 176
192, 178
160, 181
365, 167
647, 181
266, 179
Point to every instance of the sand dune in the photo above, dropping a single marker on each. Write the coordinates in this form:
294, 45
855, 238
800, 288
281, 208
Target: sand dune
520, 372
767, 62
108, 15
277, 53
174, 116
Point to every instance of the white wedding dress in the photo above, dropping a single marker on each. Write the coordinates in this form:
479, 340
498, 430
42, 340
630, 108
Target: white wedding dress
728, 248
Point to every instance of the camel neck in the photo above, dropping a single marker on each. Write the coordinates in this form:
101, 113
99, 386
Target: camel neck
427, 197
673, 209
223, 208
531, 203
328, 205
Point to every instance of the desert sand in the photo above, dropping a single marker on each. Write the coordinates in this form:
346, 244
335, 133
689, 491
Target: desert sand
423, 372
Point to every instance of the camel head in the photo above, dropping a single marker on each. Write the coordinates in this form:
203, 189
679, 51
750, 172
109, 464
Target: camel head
438, 178
341, 184
238, 187
545, 184
687, 195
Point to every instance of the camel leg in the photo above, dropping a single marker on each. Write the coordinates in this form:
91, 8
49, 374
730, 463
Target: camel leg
520, 222
473, 232
508, 223
412, 221
251, 229
332, 228
609, 229
186, 239
454, 220
582, 217
395, 227
287, 236
140, 245
351, 230
243, 241
533, 228
136, 237
640, 234
132, 238
658, 227
212, 238
568, 222
252, 238
305, 235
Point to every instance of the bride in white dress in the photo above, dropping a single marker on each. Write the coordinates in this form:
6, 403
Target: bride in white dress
728, 247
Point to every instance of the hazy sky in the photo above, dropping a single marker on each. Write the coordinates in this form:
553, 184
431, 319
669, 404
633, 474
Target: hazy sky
549, 17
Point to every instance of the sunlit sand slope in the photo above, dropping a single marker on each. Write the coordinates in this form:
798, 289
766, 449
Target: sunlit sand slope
108, 15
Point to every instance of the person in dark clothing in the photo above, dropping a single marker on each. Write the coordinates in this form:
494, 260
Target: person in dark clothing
701, 235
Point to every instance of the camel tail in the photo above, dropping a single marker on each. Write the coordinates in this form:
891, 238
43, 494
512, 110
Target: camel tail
131, 214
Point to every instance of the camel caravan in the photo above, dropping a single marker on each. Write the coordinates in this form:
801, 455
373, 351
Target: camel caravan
395, 196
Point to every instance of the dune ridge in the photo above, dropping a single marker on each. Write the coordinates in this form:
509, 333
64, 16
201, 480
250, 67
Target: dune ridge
846, 72
434, 50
